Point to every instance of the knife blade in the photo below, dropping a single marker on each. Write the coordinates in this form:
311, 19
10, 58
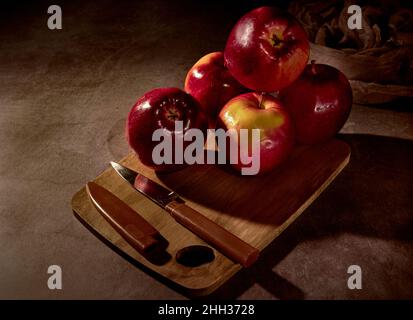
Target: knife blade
211, 232
139, 233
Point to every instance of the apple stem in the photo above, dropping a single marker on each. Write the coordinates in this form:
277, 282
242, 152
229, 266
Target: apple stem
261, 99
313, 66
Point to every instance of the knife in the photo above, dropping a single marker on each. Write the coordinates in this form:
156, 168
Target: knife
139, 233
223, 240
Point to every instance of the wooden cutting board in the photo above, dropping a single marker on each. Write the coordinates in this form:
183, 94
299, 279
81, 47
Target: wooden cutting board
255, 208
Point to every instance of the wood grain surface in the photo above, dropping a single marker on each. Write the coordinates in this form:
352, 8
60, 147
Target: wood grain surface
256, 209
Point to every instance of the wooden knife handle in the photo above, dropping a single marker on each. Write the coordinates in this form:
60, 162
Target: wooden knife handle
126, 221
223, 240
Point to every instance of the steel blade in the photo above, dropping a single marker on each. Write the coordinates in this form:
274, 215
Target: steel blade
154, 191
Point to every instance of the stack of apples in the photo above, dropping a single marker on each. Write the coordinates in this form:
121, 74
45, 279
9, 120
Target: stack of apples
262, 80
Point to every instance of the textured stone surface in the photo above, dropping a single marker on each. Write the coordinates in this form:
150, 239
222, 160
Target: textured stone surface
64, 96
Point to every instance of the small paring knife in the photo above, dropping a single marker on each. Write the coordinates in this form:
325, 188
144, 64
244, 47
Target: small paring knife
212, 233
139, 233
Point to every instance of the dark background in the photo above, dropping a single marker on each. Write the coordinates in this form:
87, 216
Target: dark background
64, 96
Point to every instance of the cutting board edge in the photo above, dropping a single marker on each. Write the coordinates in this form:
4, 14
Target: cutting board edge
181, 286
310, 200
185, 288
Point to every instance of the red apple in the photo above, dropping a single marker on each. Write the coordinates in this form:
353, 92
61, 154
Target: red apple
266, 113
319, 102
210, 82
267, 49
159, 109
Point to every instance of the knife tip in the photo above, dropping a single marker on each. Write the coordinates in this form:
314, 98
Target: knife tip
90, 184
115, 165
88, 188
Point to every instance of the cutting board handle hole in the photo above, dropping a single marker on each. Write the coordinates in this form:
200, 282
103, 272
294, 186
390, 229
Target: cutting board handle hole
195, 256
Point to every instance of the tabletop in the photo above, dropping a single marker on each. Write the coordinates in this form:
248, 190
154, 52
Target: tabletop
64, 98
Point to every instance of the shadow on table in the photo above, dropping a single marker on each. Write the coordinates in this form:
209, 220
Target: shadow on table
373, 197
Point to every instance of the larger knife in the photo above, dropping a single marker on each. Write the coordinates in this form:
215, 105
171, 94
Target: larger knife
223, 240
139, 233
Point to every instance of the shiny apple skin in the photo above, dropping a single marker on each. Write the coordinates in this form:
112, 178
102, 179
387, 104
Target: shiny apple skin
275, 124
267, 49
319, 102
211, 83
159, 109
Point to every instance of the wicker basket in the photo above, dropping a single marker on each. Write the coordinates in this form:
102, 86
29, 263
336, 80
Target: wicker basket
367, 73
